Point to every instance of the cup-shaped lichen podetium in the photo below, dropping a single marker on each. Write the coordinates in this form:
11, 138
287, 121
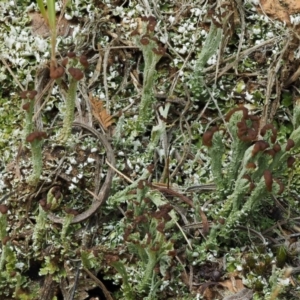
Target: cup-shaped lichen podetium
152, 53
28, 106
75, 75
3, 235
52, 202
35, 140
54, 198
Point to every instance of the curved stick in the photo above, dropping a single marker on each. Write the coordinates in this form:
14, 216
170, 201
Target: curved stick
104, 191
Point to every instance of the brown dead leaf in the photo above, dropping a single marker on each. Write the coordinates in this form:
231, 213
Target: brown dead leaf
100, 113
244, 294
209, 290
40, 28
233, 285
205, 223
280, 9
209, 294
185, 279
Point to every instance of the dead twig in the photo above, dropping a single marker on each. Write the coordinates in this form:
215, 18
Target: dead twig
12, 73
104, 191
99, 283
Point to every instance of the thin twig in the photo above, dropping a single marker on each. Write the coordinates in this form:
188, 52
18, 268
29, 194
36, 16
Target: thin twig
219, 110
118, 172
12, 74
188, 141
191, 278
72, 292
38, 108
242, 55
255, 232
185, 237
280, 286
272, 75
105, 188
242, 35
99, 283
105, 62
97, 70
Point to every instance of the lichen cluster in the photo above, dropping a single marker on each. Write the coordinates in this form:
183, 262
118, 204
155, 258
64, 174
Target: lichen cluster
166, 72
255, 170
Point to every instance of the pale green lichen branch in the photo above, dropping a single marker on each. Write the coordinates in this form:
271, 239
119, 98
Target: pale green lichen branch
52, 202
209, 48
29, 126
238, 149
37, 161
40, 228
216, 152
64, 231
157, 131
69, 111
126, 286
152, 53
3, 235
249, 180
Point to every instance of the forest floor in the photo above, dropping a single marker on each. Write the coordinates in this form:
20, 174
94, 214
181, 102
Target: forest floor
132, 205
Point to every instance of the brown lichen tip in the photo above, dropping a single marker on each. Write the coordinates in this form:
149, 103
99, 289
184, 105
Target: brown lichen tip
259, 146
23, 94
26, 106
141, 184
65, 61
251, 165
151, 23
44, 205
163, 213
36, 135
58, 195
135, 32
281, 186
150, 168
160, 227
3, 209
54, 189
32, 94
151, 20
71, 211
28, 94
144, 19
252, 186
145, 40
247, 177
75, 73
273, 129
159, 50
5, 240
268, 180
84, 61
208, 136
276, 147
43, 202
289, 144
270, 152
240, 108
151, 27
57, 72
71, 54
290, 161
247, 135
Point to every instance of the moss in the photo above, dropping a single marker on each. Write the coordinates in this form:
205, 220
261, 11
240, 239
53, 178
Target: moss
10, 124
